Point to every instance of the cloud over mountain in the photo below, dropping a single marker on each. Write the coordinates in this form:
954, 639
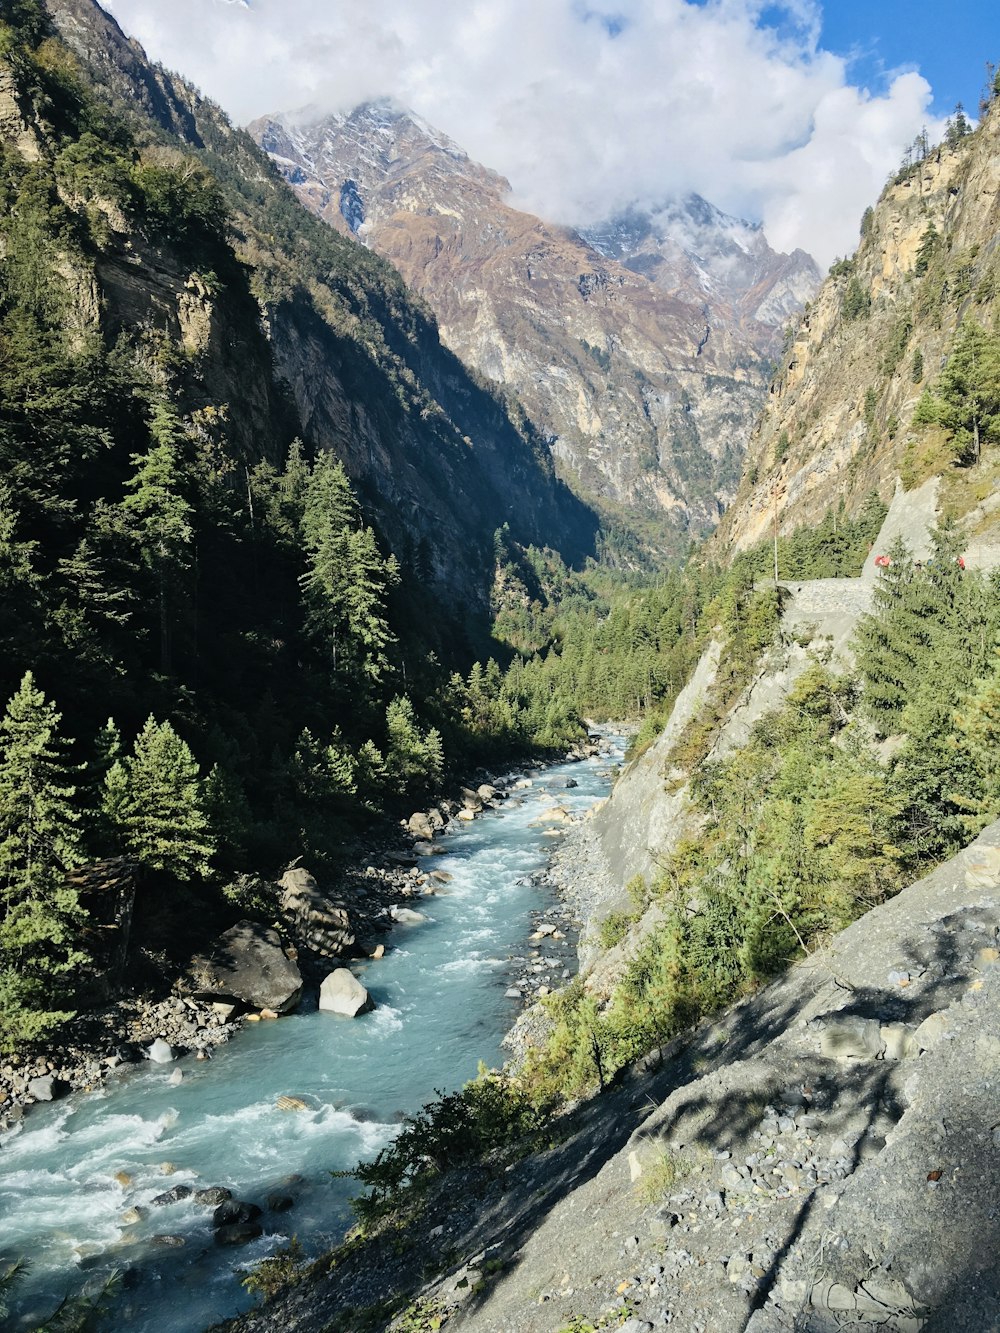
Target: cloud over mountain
585, 107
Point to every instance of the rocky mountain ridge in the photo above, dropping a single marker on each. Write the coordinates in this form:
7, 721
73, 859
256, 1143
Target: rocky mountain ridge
644, 367
839, 420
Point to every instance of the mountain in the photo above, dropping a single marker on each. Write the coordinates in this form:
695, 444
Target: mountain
328, 344
868, 389
644, 371
691, 250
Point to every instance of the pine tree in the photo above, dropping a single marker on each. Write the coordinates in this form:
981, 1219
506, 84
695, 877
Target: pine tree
39, 833
39, 841
154, 799
969, 387
161, 516
886, 641
925, 250
978, 740
346, 582
414, 760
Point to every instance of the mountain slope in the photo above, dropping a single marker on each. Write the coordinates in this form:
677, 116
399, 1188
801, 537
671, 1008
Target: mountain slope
645, 385
354, 360
840, 418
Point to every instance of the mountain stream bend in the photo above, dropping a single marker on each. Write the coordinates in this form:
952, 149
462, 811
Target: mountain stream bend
71, 1172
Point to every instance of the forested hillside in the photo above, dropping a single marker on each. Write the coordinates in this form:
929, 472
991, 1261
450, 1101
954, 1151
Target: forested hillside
234, 591
241, 613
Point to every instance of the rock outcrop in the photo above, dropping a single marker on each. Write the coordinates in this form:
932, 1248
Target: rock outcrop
315, 921
839, 417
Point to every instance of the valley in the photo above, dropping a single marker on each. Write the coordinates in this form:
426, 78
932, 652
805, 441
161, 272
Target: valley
570, 653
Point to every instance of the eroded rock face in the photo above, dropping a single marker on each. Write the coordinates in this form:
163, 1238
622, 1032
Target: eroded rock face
315, 920
248, 964
342, 993
840, 410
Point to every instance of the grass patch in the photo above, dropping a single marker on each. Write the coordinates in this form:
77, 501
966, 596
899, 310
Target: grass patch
661, 1173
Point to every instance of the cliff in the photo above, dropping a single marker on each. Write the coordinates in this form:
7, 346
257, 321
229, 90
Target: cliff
839, 419
312, 336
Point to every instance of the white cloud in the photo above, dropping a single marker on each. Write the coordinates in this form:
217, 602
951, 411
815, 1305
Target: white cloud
585, 105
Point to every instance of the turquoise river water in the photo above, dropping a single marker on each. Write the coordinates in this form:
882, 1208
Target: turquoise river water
441, 1008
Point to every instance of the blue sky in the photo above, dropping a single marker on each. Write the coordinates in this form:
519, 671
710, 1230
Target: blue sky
788, 112
948, 42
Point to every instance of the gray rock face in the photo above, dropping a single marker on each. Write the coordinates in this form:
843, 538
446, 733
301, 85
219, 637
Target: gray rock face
249, 964
342, 993
320, 924
852, 1038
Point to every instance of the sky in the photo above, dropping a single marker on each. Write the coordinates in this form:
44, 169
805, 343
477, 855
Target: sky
790, 113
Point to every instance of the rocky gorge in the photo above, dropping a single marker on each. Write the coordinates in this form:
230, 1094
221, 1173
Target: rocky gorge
820, 1155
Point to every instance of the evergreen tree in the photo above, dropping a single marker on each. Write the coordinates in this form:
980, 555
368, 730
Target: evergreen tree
39, 841
346, 582
161, 517
969, 388
887, 641
926, 249
155, 801
978, 742
414, 759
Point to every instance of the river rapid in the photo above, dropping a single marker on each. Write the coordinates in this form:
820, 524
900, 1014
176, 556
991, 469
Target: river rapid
70, 1172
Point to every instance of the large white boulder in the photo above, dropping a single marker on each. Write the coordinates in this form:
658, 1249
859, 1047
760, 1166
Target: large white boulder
342, 993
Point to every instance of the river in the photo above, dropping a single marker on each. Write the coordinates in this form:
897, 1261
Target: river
71, 1170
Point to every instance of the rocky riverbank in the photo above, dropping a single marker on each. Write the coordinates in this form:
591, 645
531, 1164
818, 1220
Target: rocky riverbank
379, 886
824, 1155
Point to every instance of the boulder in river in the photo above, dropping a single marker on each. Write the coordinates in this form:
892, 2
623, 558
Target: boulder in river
238, 1233
235, 1212
420, 826
212, 1197
160, 1052
48, 1088
407, 916
248, 964
342, 993
174, 1195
